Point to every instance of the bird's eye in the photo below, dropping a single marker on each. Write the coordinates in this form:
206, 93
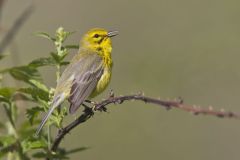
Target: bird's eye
96, 35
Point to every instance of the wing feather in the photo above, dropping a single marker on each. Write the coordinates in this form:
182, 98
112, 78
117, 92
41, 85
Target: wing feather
77, 82
85, 80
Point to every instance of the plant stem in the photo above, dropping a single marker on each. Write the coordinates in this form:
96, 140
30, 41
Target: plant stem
49, 126
58, 71
9, 114
49, 136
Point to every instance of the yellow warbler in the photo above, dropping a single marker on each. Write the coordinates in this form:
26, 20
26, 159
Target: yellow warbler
88, 73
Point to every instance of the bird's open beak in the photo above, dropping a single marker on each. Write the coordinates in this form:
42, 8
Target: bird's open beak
112, 33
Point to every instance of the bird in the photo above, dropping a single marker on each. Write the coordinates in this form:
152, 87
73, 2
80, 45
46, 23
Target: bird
88, 73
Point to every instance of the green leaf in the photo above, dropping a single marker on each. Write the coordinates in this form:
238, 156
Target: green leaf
3, 99
8, 149
23, 73
20, 96
36, 93
49, 61
59, 154
56, 57
7, 140
49, 155
33, 143
7, 92
27, 130
33, 113
7, 144
72, 46
59, 57
39, 85
64, 63
45, 35
63, 54
14, 111
80, 149
57, 117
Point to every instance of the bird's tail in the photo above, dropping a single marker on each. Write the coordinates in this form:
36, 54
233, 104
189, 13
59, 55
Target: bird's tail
44, 120
56, 102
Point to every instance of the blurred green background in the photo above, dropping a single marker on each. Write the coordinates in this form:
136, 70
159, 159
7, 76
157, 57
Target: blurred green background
166, 48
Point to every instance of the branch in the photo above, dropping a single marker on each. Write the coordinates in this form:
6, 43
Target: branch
16, 26
168, 104
88, 113
196, 110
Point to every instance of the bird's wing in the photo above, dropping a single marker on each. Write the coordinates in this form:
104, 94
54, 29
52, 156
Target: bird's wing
86, 77
76, 82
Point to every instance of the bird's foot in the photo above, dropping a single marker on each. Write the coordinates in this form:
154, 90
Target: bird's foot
90, 102
111, 94
88, 109
94, 107
101, 109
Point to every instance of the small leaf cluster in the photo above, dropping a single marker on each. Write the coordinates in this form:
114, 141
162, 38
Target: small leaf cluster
17, 140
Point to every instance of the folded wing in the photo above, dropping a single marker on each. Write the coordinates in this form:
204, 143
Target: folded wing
87, 73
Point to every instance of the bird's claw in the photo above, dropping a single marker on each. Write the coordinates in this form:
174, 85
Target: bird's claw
101, 109
88, 109
95, 107
111, 94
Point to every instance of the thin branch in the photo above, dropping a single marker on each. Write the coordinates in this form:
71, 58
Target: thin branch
14, 29
88, 113
196, 110
168, 104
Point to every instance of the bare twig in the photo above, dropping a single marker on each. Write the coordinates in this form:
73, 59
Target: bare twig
14, 29
88, 113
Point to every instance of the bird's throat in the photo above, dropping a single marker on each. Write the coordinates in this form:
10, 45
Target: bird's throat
105, 53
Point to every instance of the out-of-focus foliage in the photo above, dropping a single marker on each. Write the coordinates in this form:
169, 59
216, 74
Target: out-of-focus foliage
18, 139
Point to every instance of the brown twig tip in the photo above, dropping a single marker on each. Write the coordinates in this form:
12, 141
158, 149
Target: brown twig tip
168, 104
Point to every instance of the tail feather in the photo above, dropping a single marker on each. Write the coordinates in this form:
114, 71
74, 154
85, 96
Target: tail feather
44, 120
56, 102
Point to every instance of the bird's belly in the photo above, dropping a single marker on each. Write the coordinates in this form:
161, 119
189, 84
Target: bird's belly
102, 83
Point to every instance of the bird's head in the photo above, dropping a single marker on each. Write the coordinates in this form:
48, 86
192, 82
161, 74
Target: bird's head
98, 39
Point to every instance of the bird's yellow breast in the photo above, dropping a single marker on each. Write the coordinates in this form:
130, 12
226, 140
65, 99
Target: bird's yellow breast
104, 50
102, 83
106, 76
